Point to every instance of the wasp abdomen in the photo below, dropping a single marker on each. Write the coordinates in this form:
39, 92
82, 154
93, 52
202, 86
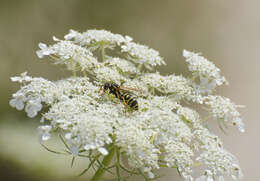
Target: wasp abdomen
130, 100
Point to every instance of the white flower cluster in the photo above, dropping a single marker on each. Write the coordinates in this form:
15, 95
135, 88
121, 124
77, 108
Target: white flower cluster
224, 110
73, 56
139, 54
32, 95
161, 133
93, 38
177, 86
122, 65
219, 161
209, 75
142, 54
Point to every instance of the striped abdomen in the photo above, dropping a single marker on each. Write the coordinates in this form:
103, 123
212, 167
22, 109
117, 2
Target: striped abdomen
129, 100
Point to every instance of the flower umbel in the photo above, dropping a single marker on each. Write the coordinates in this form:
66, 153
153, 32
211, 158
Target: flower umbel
102, 125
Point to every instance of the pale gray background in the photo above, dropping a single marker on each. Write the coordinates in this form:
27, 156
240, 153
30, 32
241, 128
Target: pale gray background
226, 32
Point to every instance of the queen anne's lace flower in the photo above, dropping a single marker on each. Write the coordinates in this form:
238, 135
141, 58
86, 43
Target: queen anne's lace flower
161, 133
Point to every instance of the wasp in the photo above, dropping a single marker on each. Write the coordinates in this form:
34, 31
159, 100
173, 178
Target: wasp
121, 93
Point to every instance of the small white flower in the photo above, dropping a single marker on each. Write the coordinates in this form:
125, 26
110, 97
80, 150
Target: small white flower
128, 38
239, 123
73, 35
22, 78
45, 50
151, 175
18, 101
74, 150
237, 172
33, 106
44, 132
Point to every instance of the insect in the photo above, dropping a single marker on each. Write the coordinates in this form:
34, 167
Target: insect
121, 93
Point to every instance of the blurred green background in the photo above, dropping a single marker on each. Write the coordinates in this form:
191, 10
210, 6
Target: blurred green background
226, 32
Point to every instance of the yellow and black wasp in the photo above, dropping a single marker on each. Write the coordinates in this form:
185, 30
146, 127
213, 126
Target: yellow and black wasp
121, 93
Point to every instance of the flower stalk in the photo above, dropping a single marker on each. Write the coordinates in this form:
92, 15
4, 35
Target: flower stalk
105, 163
103, 52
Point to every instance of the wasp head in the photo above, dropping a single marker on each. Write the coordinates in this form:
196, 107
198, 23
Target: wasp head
106, 86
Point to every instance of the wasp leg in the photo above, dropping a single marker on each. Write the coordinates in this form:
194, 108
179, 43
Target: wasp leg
124, 102
100, 89
117, 94
121, 97
104, 92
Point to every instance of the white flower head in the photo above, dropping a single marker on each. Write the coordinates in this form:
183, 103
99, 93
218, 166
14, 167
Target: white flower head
115, 103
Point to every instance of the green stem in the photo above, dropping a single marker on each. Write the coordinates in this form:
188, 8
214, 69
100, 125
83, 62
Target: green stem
84, 73
74, 74
139, 67
106, 161
118, 164
74, 71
